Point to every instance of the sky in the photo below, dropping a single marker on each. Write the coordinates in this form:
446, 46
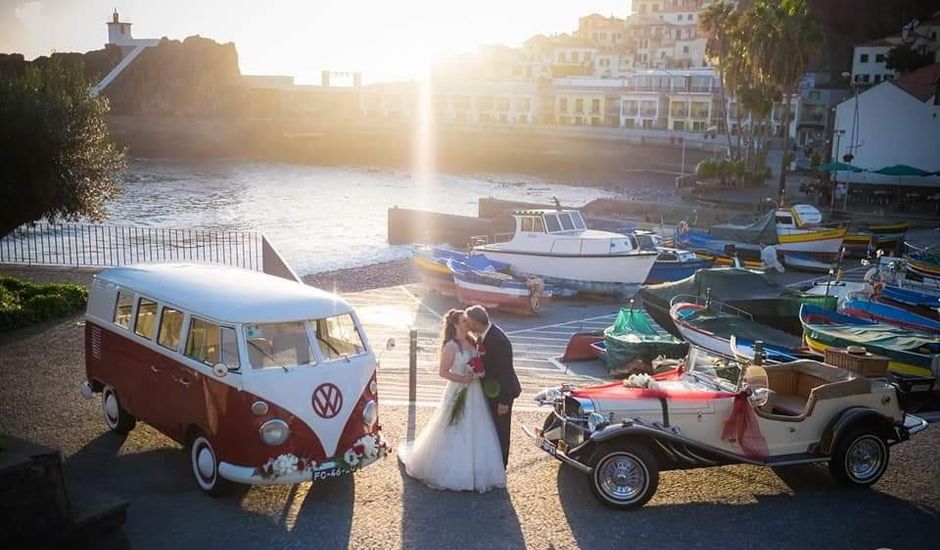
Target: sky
383, 39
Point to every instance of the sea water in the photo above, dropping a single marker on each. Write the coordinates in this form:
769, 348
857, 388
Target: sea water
319, 218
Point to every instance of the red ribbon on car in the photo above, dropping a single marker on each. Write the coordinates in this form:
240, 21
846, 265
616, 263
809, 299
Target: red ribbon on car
742, 427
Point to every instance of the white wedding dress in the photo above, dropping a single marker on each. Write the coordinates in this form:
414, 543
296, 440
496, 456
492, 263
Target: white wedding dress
464, 456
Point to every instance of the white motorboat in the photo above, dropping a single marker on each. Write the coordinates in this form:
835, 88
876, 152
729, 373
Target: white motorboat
556, 246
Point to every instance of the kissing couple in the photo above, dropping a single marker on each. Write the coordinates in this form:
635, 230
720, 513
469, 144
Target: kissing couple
465, 446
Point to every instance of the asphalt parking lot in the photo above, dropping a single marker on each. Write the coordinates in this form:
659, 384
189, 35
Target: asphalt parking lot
545, 505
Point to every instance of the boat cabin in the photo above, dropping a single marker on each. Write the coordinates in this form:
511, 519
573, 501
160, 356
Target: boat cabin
798, 216
549, 221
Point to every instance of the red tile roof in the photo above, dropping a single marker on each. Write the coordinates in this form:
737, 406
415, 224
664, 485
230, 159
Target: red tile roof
921, 83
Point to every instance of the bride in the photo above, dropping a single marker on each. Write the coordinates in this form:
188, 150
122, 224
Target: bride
459, 452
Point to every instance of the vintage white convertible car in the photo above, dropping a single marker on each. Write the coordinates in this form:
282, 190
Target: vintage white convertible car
712, 412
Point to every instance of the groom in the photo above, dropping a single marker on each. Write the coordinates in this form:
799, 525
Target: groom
500, 383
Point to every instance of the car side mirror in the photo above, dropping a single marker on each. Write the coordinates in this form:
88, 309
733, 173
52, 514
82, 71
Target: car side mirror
755, 383
759, 397
220, 370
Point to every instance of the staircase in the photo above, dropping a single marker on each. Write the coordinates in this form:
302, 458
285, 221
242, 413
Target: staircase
36, 508
127, 60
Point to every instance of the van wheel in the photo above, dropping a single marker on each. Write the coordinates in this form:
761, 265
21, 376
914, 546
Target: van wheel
118, 420
860, 458
205, 464
625, 475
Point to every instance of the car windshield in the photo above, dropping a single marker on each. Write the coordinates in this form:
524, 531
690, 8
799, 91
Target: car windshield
338, 337
713, 369
278, 345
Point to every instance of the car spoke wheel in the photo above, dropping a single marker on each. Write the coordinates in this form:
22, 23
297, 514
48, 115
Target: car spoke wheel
115, 417
625, 475
860, 458
205, 465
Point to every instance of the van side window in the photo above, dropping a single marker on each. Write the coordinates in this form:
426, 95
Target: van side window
122, 310
146, 315
210, 344
171, 325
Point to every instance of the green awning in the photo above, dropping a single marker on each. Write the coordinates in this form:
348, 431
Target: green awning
838, 167
901, 170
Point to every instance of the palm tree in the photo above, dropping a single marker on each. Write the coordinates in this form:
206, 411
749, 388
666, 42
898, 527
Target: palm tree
785, 36
719, 22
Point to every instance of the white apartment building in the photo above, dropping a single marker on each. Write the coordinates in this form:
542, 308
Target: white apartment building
898, 123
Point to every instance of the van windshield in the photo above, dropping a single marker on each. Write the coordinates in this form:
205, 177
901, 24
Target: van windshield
278, 345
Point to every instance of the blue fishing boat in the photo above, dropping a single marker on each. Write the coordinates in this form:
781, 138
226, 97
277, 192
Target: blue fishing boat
672, 264
863, 308
431, 264
909, 353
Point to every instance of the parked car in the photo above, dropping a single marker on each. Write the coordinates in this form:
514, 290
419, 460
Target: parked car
262, 379
715, 411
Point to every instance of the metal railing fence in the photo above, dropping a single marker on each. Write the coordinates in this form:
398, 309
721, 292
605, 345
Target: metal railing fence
97, 245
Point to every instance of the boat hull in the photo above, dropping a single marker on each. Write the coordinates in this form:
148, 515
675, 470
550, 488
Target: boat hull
618, 275
825, 243
823, 330
673, 271
511, 299
876, 311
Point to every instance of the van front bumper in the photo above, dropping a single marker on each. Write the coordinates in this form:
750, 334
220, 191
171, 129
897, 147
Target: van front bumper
250, 476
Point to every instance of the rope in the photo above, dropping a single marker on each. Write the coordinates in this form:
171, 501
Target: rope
536, 287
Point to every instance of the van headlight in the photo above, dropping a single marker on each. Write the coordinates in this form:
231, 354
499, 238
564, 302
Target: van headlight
370, 413
596, 420
274, 432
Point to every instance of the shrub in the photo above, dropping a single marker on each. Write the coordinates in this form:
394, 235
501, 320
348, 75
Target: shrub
707, 169
23, 303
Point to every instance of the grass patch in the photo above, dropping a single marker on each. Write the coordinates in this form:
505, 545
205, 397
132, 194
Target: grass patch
23, 303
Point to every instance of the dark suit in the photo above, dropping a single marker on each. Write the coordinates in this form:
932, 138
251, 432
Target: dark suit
500, 382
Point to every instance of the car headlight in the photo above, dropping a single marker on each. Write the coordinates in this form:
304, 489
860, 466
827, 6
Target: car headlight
370, 413
274, 432
596, 421
548, 395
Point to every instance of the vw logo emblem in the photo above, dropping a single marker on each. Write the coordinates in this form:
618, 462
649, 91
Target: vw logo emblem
327, 400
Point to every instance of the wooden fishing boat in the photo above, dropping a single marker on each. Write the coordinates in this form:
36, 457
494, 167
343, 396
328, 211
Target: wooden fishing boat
910, 353
495, 290
635, 340
711, 325
769, 302
431, 264
672, 263
864, 308
925, 263
790, 230
862, 239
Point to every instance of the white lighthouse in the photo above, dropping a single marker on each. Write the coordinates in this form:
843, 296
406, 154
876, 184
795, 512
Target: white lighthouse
119, 32
119, 35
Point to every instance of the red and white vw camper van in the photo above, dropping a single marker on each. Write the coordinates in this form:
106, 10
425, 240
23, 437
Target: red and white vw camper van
262, 379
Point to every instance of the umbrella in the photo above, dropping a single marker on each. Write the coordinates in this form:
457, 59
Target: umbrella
901, 170
838, 167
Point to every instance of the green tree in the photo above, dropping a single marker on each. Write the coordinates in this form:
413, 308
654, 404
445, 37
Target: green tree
784, 37
904, 59
719, 21
58, 159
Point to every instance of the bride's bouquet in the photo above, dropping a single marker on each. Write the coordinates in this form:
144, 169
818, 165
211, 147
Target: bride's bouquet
460, 402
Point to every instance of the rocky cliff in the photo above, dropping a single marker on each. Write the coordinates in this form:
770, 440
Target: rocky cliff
195, 77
